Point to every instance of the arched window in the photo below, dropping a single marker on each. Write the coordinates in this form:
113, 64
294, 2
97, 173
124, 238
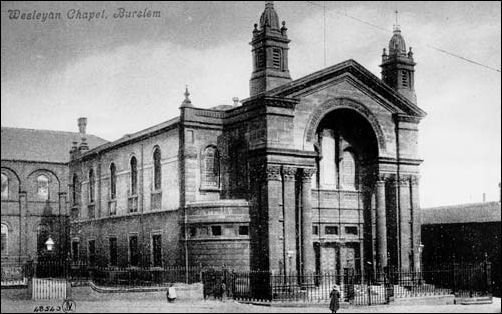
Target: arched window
134, 176
157, 169
210, 168
43, 187
113, 181
91, 186
5, 187
348, 170
5, 237
74, 189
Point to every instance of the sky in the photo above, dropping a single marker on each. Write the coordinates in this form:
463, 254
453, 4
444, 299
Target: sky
125, 75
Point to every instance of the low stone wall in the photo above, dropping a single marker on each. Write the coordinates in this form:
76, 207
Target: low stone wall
183, 292
428, 300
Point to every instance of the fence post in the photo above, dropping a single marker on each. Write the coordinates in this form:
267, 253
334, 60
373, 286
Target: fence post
487, 271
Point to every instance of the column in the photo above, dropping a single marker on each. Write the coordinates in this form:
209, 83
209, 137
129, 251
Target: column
308, 258
404, 223
289, 208
273, 199
417, 225
381, 222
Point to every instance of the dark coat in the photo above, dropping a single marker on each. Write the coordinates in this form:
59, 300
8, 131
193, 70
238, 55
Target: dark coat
334, 305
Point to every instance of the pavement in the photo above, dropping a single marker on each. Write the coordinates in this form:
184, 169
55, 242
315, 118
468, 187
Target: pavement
16, 302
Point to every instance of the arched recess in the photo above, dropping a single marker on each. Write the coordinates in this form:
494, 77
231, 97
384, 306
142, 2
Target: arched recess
14, 184
341, 103
54, 184
210, 167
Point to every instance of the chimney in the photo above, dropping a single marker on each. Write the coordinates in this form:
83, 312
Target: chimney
236, 101
82, 125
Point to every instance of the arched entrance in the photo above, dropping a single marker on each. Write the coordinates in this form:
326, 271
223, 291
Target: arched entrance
347, 155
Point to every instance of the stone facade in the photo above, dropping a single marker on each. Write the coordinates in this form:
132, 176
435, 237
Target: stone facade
34, 192
316, 174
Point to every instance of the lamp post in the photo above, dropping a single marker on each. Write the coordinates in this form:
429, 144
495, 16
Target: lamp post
49, 244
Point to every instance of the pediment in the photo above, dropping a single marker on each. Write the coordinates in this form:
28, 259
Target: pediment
355, 74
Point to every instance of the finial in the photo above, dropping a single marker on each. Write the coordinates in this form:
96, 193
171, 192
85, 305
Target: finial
255, 26
269, 3
236, 101
186, 102
186, 92
396, 26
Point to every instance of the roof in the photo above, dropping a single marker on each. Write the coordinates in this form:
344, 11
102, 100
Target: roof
128, 138
465, 213
41, 145
350, 66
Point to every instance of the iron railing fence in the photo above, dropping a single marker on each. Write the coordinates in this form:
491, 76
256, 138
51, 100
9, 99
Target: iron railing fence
356, 288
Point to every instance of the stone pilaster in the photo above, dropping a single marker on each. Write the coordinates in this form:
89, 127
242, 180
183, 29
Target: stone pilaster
273, 197
417, 224
308, 258
62, 223
289, 209
404, 223
23, 226
381, 222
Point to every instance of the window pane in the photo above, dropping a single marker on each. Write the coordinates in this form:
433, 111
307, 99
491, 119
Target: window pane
348, 167
5, 187
113, 181
43, 187
351, 230
331, 230
4, 238
133, 251
243, 230
216, 230
157, 250
113, 251
157, 169
134, 176
91, 186
211, 168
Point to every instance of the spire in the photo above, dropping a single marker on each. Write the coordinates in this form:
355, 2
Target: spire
270, 52
398, 67
269, 17
186, 102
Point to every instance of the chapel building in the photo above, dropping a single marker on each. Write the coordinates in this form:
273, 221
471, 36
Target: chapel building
320, 173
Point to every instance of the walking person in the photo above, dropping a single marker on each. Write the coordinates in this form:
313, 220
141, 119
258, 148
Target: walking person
334, 305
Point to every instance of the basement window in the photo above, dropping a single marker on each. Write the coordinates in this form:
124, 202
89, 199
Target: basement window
351, 230
216, 230
331, 230
243, 230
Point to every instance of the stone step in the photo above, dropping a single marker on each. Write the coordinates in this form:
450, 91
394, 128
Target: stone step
478, 300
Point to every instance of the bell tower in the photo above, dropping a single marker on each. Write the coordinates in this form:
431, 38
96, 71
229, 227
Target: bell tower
398, 67
270, 53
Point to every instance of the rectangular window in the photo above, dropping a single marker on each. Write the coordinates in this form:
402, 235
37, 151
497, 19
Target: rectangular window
157, 250
216, 230
113, 251
133, 251
331, 230
351, 230
75, 250
243, 230
315, 230
92, 252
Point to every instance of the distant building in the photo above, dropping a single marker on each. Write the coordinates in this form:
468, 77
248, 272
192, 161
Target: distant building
34, 173
314, 174
463, 234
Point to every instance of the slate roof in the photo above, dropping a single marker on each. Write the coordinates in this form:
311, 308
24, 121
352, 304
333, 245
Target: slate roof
41, 145
465, 213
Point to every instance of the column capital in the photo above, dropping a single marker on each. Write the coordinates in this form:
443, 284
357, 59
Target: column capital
306, 174
414, 180
288, 173
273, 173
384, 177
404, 180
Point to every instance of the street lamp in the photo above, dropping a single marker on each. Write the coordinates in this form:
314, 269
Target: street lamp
49, 244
